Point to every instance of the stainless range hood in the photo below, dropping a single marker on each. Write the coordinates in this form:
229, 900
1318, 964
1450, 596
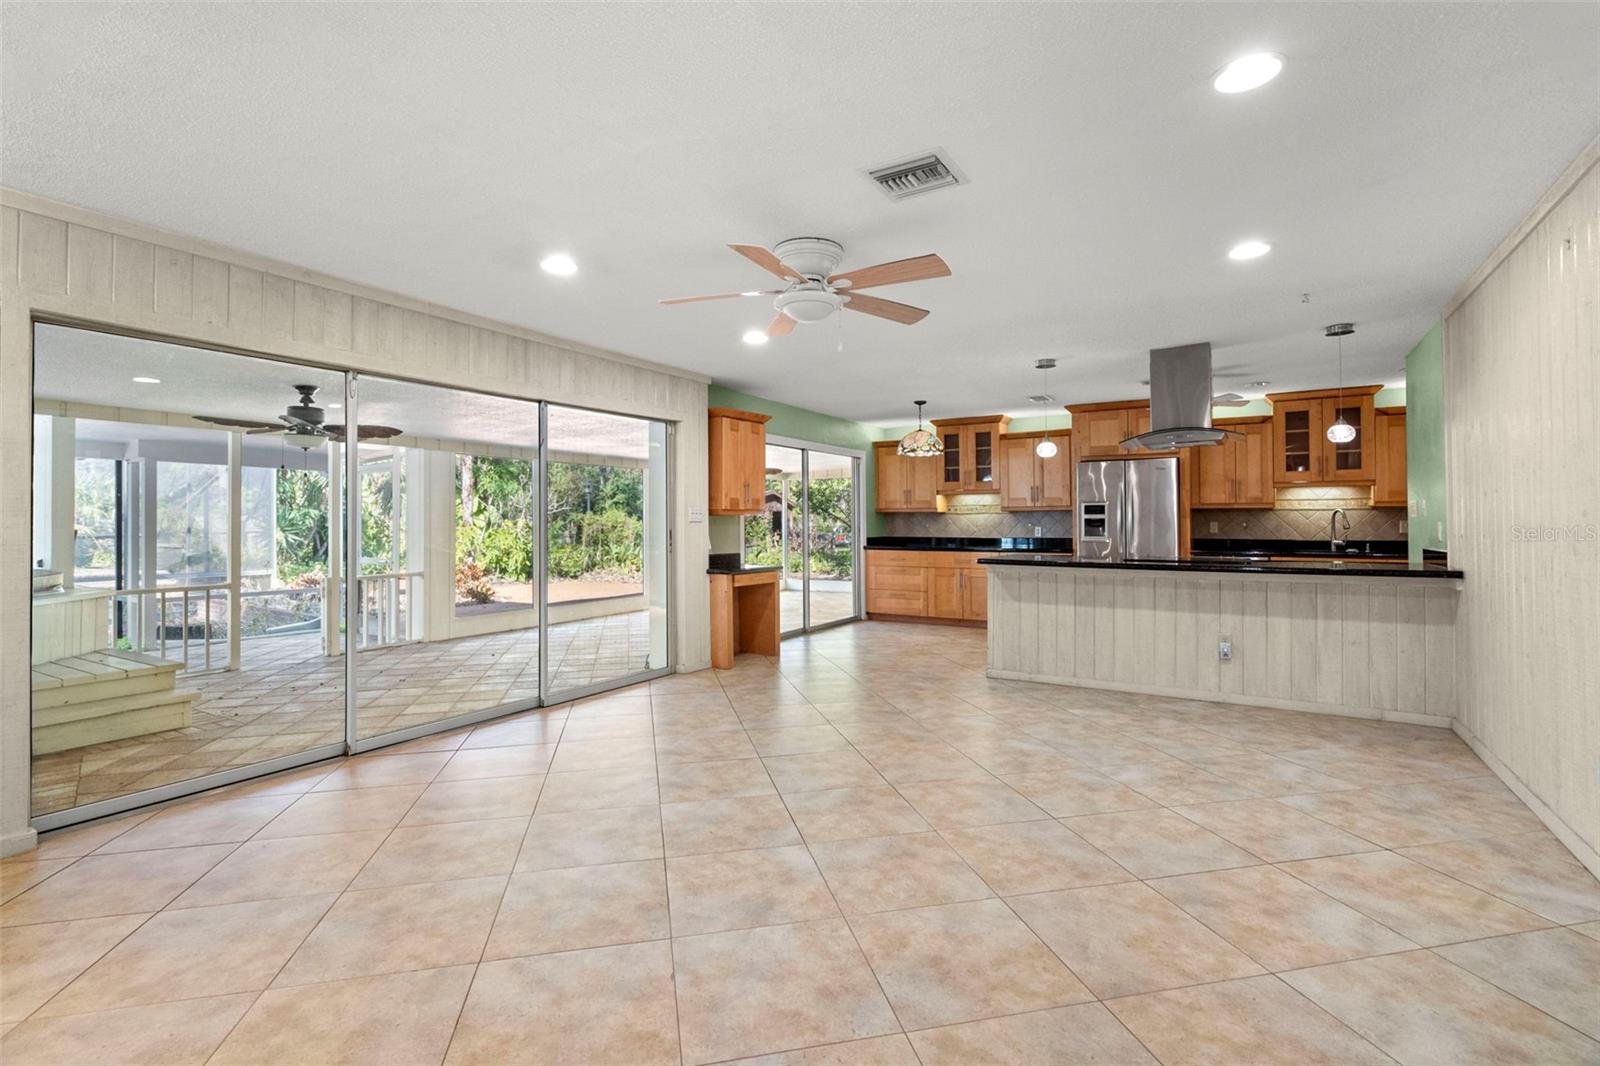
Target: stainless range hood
1180, 401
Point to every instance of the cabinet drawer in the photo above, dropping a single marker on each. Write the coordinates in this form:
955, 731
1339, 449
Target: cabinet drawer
903, 578
897, 601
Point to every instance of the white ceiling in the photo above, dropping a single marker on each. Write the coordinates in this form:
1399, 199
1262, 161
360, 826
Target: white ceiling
441, 150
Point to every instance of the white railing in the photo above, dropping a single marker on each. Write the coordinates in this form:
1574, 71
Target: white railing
151, 609
385, 608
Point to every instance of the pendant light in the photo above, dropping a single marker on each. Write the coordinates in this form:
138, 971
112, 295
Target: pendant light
1046, 448
920, 443
1341, 432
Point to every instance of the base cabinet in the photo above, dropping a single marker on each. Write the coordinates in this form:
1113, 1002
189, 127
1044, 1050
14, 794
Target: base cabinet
947, 586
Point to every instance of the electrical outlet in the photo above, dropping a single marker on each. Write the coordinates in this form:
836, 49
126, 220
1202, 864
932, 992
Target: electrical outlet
1038, 531
1225, 650
1438, 532
1213, 527
1403, 525
1411, 507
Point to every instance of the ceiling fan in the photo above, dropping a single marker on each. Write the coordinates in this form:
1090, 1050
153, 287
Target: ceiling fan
302, 424
816, 288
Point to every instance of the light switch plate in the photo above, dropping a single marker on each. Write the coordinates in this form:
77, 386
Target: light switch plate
1225, 650
696, 516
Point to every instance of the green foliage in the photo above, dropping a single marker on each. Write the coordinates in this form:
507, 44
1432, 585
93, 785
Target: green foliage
302, 533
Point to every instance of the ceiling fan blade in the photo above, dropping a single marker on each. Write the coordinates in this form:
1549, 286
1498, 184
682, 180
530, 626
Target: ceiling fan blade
241, 423
717, 296
915, 269
904, 314
336, 431
1229, 399
263, 429
781, 325
764, 259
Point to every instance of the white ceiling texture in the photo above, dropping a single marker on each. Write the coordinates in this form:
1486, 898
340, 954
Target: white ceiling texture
441, 150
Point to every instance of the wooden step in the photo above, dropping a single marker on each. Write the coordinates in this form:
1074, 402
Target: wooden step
118, 718
98, 676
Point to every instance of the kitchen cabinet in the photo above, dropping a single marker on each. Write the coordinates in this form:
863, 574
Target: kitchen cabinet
737, 442
971, 453
945, 586
1099, 429
1029, 482
1237, 472
1389, 447
906, 482
1302, 452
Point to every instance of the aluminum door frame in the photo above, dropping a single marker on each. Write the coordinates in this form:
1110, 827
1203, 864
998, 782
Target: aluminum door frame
858, 468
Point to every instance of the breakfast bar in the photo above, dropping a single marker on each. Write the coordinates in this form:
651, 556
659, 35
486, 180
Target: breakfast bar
1373, 640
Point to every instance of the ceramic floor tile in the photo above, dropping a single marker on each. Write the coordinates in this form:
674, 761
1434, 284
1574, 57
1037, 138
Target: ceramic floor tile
849, 813
475, 800
917, 762
742, 889
173, 1034
821, 770
1254, 1020
1019, 857
1273, 831
521, 760
1588, 929
776, 988
798, 740
688, 782
727, 825
611, 1004
276, 869
1125, 939
1271, 776
515, 732
343, 812
454, 851
391, 930
17, 877
603, 754
199, 821
1084, 1033
186, 954
581, 907
1064, 793
590, 838
962, 962
889, 873
1384, 820
1158, 843
1416, 902
703, 747
404, 1017
1556, 970
954, 804
1533, 870
1420, 1008
1173, 783
873, 1051
99, 885
591, 726
1281, 922
589, 790
40, 960
79, 840
376, 770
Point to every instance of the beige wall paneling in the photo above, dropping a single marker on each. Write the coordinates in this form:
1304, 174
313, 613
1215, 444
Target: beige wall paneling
65, 263
1522, 393
1330, 644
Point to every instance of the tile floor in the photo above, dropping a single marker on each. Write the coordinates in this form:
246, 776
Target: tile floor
863, 852
288, 697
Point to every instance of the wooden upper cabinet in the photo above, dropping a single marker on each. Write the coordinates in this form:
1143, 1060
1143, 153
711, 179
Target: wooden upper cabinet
971, 461
1237, 472
1389, 455
1029, 482
1099, 431
905, 482
1302, 452
738, 461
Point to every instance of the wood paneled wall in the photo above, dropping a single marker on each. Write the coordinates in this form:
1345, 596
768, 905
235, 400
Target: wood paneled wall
1371, 647
1522, 449
72, 265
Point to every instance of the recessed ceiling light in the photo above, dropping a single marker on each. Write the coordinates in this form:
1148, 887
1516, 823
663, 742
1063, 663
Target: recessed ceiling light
1247, 72
1249, 250
147, 381
335, 406
560, 264
756, 337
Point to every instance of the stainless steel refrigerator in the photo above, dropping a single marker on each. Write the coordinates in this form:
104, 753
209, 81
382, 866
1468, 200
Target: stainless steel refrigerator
1127, 509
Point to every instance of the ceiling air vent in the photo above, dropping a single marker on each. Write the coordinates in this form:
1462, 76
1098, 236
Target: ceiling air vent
920, 174
1041, 398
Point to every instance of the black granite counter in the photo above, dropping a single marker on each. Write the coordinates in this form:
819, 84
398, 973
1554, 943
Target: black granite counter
728, 563
1258, 546
1342, 567
971, 544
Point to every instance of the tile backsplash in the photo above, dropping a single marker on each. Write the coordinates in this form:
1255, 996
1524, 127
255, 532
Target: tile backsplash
1300, 523
980, 524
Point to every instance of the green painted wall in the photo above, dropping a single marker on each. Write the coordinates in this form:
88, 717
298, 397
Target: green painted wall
800, 424
1425, 491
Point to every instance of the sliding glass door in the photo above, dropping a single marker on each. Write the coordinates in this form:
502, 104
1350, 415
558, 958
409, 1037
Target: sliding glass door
211, 536
809, 529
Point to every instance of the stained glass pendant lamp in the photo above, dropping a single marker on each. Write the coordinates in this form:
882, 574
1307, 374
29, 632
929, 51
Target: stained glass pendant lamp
920, 443
1341, 432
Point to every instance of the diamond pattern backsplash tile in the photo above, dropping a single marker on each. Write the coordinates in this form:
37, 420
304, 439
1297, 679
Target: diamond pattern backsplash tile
1301, 523
980, 524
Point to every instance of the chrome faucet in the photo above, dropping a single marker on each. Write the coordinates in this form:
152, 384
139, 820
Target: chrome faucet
1336, 542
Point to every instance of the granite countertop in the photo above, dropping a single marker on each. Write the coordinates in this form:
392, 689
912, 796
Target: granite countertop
728, 563
1343, 567
1213, 547
970, 544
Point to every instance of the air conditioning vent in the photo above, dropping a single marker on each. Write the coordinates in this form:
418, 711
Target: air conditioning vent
912, 177
1041, 398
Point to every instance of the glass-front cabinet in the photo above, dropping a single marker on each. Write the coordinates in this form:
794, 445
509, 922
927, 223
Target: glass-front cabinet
971, 453
1302, 452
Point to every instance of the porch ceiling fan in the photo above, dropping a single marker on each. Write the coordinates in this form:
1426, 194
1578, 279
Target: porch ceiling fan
302, 424
816, 288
